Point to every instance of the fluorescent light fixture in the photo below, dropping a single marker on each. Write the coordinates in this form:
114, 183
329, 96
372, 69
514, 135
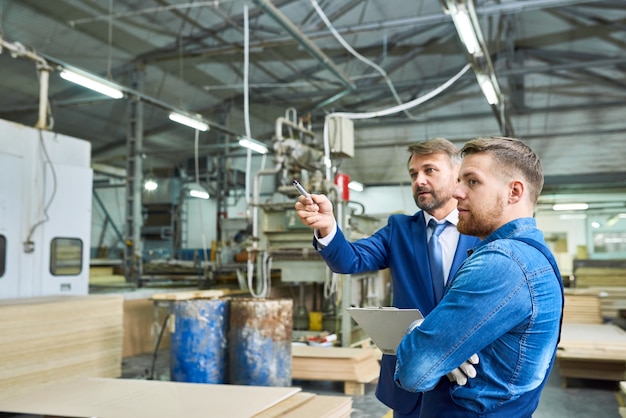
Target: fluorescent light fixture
570, 206
356, 186
466, 30
253, 144
569, 216
93, 83
612, 220
197, 191
150, 185
191, 122
486, 85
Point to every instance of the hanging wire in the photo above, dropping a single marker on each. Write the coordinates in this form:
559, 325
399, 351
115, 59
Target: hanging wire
46, 207
360, 57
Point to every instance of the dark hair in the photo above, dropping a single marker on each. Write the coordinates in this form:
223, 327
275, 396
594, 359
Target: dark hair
513, 157
435, 146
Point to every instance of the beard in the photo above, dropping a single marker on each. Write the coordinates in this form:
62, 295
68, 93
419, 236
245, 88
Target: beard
431, 202
481, 222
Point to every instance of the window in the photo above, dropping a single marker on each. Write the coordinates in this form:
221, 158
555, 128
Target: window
66, 256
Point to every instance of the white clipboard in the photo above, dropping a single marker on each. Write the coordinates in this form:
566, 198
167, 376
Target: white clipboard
386, 326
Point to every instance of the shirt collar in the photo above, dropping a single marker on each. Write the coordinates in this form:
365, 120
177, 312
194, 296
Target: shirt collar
453, 217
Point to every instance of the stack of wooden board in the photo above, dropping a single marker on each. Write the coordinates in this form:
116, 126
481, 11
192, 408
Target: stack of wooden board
105, 276
47, 340
612, 299
592, 351
581, 308
608, 276
131, 398
353, 366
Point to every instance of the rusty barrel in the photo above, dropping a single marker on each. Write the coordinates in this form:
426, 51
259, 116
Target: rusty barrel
198, 340
260, 342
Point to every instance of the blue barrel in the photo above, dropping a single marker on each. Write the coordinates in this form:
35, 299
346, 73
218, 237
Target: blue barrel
260, 342
198, 342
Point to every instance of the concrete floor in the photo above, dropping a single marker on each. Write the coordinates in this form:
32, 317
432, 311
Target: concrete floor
580, 399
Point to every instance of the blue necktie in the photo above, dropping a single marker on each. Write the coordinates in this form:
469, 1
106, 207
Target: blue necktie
436, 259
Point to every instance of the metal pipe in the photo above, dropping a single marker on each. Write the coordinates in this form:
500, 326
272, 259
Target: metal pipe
280, 121
44, 78
255, 200
313, 49
18, 50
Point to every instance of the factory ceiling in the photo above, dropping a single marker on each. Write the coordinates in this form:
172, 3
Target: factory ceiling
560, 66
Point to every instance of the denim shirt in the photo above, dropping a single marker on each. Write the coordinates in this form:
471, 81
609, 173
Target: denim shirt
504, 304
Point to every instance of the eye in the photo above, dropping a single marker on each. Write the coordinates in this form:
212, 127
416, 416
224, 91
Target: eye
472, 182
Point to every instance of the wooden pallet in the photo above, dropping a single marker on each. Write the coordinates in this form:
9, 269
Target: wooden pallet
353, 366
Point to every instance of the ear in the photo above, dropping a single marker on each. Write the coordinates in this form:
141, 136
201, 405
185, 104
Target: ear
516, 191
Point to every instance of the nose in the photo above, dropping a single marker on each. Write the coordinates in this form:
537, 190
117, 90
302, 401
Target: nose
459, 192
420, 179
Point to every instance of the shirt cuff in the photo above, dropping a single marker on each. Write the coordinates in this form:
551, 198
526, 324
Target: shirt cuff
323, 242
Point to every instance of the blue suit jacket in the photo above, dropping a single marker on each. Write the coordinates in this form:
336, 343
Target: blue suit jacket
400, 246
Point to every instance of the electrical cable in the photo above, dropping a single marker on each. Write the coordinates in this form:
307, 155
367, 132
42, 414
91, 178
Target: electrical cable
385, 112
360, 57
46, 207
264, 277
156, 347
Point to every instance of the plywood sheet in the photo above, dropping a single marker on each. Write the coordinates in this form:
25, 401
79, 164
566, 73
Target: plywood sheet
48, 340
130, 398
187, 295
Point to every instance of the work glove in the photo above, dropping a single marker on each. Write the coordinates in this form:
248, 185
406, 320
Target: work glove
461, 373
465, 370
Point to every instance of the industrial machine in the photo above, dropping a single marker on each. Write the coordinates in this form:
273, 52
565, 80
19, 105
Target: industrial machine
280, 242
45, 212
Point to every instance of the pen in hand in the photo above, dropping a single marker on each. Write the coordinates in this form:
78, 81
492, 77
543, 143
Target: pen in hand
301, 189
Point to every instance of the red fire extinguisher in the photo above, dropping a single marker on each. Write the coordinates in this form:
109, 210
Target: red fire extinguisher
342, 180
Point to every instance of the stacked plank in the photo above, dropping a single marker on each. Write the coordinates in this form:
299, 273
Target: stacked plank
600, 277
309, 405
353, 366
592, 351
105, 276
612, 299
581, 308
52, 339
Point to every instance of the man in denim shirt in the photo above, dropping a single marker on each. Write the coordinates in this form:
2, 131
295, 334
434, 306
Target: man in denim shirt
401, 246
504, 303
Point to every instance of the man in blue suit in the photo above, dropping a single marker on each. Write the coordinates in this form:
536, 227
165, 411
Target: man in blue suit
401, 246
